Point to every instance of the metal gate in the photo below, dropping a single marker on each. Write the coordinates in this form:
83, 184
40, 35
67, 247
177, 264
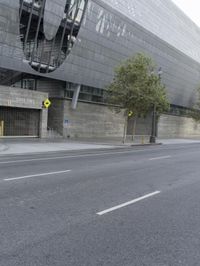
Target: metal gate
19, 122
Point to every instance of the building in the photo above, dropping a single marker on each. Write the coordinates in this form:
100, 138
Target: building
66, 50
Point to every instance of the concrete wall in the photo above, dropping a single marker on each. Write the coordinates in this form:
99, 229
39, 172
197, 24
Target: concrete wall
178, 127
92, 121
56, 115
98, 121
87, 121
14, 97
142, 125
54, 88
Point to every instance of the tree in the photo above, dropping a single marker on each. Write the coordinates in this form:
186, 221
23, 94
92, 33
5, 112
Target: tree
137, 89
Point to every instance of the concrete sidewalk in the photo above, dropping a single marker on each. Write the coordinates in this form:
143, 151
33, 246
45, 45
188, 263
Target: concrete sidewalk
178, 141
40, 147
19, 146
3, 148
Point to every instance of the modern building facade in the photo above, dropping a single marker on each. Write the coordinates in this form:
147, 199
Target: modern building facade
67, 49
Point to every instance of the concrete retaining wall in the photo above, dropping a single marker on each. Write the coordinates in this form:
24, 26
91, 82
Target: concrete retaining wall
178, 127
142, 125
98, 121
56, 115
87, 121
92, 121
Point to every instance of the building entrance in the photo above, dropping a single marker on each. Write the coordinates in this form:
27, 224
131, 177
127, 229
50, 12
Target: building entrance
19, 122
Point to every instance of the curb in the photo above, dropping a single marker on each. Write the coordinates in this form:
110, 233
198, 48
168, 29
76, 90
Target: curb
4, 147
73, 151
147, 144
57, 151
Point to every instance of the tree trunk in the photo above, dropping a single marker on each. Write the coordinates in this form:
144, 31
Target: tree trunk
125, 128
134, 126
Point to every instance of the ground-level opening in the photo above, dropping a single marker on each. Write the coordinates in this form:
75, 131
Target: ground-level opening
19, 121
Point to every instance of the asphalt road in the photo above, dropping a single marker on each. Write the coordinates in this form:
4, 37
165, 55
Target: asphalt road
124, 207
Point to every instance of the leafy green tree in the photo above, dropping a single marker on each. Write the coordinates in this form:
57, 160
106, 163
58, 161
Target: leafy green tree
137, 89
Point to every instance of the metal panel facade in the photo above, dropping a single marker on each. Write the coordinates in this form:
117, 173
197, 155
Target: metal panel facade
164, 19
112, 31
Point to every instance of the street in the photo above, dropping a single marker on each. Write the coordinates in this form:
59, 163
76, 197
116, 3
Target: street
129, 206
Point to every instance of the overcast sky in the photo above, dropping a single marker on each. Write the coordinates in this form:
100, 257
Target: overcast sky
191, 8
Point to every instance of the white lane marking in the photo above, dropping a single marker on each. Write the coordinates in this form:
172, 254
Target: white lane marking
36, 175
73, 156
160, 158
128, 203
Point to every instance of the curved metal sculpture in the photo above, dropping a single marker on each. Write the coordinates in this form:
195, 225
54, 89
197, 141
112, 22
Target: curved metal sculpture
48, 31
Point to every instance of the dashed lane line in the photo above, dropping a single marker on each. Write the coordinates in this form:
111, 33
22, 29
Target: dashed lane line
36, 175
128, 203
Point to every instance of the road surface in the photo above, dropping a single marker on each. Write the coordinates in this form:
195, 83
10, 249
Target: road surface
123, 207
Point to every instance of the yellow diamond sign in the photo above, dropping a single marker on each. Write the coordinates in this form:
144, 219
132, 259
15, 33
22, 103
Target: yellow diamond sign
47, 103
130, 114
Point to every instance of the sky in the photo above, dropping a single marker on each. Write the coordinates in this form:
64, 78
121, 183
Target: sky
191, 8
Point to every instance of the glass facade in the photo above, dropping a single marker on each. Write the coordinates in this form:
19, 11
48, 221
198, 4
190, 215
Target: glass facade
176, 110
87, 94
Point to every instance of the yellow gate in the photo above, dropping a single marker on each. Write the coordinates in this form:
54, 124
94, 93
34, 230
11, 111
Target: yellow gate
1, 128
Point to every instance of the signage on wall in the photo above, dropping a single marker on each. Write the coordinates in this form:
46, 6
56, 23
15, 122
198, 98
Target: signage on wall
66, 123
47, 103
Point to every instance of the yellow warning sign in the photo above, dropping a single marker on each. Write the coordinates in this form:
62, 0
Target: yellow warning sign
130, 114
47, 103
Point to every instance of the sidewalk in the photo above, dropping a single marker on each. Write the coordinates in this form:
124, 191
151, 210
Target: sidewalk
47, 146
22, 146
178, 141
3, 148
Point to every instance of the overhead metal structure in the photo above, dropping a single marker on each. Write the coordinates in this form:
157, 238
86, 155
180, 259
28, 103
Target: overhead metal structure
48, 30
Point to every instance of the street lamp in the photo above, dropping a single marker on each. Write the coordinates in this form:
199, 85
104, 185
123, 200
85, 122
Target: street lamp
153, 127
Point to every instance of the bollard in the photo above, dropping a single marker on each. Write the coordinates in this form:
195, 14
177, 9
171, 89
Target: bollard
1, 128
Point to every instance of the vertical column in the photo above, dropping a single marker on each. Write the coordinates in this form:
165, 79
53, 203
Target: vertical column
43, 123
75, 96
